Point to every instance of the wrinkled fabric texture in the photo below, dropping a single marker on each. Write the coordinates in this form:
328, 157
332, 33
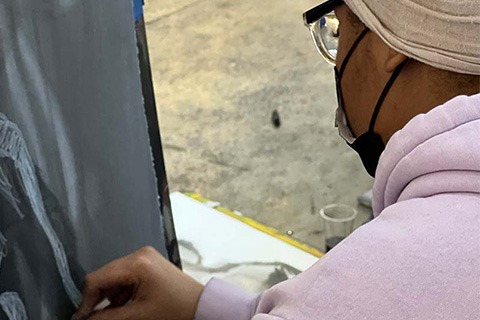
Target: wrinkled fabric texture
418, 259
442, 33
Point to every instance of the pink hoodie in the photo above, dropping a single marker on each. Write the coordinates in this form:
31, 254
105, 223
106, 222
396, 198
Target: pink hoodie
418, 259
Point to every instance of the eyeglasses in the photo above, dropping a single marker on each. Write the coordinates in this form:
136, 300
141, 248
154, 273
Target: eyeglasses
324, 27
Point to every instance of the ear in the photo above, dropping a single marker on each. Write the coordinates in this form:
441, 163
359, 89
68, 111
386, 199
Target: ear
386, 58
393, 59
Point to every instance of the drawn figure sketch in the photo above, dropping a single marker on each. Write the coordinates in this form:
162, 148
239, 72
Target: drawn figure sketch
77, 185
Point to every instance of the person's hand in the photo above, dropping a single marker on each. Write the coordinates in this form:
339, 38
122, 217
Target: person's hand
142, 286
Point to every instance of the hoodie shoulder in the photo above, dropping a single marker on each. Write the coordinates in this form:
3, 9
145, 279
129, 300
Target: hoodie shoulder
442, 140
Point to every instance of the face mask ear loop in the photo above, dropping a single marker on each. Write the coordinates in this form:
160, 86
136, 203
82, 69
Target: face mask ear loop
350, 52
385, 91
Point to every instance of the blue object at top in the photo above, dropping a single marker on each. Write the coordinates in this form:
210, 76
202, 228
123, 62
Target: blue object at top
138, 9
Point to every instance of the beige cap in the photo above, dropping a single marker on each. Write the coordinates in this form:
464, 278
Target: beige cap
442, 33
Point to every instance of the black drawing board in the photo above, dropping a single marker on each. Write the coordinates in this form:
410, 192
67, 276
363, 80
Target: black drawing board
81, 181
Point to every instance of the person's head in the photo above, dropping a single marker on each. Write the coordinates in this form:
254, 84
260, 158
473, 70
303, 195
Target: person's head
366, 62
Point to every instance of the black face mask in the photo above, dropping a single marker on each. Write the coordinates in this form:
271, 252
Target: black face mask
369, 145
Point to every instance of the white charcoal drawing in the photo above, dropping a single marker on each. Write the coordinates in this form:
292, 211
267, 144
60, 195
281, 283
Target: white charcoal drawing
13, 147
10, 302
3, 248
6, 189
13, 306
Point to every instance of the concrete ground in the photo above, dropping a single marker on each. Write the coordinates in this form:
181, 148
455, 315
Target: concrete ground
221, 67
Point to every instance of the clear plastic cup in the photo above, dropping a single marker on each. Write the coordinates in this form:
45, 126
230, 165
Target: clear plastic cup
338, 220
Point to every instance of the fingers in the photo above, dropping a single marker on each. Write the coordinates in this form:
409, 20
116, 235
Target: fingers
90, 300
123, 313
121, 297
98, 283
117, 281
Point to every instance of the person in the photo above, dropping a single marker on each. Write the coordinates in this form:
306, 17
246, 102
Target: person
408, 77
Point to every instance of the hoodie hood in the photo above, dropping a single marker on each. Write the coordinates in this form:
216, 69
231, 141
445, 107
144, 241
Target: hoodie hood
435, 153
